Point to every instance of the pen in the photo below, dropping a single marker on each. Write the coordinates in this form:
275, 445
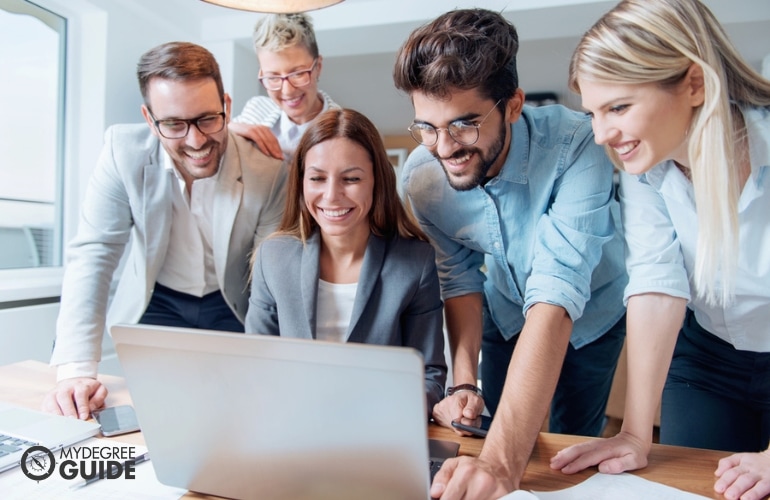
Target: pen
136, 461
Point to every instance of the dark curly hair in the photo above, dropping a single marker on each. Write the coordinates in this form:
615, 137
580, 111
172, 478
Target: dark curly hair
460, 50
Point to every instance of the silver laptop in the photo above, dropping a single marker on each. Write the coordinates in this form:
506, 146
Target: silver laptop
252, 416
22, 428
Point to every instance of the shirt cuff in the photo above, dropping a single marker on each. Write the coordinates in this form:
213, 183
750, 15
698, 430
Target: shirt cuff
77, 369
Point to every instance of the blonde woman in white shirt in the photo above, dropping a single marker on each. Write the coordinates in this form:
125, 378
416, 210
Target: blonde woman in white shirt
688, 120
289, 69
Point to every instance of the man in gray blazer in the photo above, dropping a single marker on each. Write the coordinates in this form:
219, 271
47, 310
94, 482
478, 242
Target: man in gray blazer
190, 201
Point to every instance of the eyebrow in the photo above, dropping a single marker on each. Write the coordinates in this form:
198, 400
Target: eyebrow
346, 171
462, 118
611, 102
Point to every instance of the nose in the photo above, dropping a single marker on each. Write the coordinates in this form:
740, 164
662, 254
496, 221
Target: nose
445, 144
603, 132
331, 190
195, 138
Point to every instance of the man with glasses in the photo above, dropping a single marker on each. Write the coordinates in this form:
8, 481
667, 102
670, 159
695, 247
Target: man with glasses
189, 199
518, 203
289, 69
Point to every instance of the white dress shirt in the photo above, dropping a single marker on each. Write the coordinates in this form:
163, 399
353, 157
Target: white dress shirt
661, 230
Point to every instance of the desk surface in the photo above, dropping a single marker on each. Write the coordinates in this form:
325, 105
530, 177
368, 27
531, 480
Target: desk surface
689, 469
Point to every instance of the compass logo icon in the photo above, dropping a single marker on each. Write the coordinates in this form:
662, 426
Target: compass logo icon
38, 463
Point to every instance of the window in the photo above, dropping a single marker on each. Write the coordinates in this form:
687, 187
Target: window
32, 41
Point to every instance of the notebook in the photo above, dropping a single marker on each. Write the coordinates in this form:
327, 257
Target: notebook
252, 416
21, 428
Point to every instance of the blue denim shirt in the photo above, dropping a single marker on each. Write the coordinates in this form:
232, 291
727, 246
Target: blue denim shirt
545, 226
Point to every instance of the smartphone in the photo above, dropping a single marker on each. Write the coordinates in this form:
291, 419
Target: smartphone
116, 420
480, 431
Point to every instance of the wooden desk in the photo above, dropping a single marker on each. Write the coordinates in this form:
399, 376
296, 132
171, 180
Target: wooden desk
688, 469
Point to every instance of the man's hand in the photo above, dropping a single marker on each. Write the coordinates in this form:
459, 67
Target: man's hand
261, 136
75, 397
469, 477
613, 455
744, 476
464, 406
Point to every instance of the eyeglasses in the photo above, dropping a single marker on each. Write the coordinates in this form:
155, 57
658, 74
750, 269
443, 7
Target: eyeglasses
464, 132
177, 128
299, 78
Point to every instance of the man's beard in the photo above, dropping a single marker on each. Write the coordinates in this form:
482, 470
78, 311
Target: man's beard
481, 169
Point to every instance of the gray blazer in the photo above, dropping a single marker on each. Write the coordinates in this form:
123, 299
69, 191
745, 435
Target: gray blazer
129, 199
397, 301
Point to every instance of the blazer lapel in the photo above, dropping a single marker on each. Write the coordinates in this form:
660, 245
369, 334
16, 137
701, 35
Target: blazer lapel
158, 209
370, 273
227, 201
310, 273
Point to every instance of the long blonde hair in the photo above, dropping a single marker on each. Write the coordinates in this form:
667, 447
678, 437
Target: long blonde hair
656, 41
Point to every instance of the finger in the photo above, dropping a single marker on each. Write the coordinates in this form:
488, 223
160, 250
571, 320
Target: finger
98, 398
50, 405
65, 403
81, 396
473, 405
618, 465
727, 463
442, 478
274, 147
569, 455
743, 488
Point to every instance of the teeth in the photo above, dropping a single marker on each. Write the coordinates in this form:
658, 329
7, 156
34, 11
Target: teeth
461, 159
626, 148
199, 155
336, 213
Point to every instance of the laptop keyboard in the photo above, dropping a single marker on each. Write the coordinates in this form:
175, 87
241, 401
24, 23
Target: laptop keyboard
435, 465
10, 445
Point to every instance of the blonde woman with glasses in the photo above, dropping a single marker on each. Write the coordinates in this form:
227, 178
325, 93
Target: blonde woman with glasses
289, 69
688, 121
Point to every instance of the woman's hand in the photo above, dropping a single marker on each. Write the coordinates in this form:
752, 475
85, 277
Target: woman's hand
744, 476
613, 455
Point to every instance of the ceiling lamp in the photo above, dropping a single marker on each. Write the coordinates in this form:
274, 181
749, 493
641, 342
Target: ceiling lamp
275, 6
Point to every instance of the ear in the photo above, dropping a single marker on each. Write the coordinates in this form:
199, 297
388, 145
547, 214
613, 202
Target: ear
695, 85
149, 120
228, 105
514, 106
319, 66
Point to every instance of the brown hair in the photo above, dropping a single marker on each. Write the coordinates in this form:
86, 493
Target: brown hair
462, 49
178, 61
388, 217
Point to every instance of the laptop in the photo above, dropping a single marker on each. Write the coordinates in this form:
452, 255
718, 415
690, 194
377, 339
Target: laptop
253, 416
22, 428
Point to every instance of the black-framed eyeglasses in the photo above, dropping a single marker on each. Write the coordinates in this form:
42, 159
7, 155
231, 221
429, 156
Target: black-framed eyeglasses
465, 132
177, 128
299, 78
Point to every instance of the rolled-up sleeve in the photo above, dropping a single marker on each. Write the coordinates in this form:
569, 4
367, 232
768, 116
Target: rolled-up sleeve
654, 257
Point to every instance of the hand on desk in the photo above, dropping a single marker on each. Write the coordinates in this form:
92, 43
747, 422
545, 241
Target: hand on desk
75, 397
744, 475
260, 135
470, 477
614, 455
464, 406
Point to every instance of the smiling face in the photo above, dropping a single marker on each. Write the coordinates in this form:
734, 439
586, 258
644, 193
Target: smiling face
301, 104
644, 124
338, 187
196, 155
466, 166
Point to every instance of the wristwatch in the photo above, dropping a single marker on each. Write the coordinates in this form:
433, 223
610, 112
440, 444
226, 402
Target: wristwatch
464, 387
